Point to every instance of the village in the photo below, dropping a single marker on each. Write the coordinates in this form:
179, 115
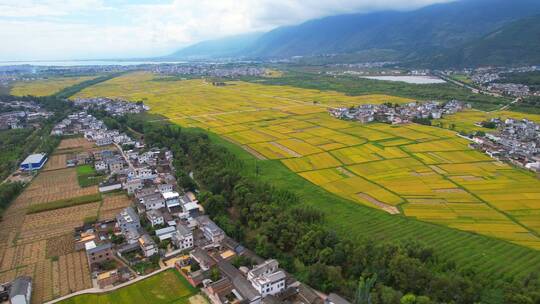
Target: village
18, 114
516, 141
399, 114
162, 226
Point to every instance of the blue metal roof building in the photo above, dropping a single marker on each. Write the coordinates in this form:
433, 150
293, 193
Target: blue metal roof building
34, 162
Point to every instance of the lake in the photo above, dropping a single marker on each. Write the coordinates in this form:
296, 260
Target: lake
409, 79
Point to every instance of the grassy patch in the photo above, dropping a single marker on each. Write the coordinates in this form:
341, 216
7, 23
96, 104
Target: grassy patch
87, 176
166, 287
69, 202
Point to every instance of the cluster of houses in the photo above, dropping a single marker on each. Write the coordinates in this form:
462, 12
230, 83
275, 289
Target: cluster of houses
21, 114
509, 89
491, 79
516, 141
398, 114
114, 107
92, 128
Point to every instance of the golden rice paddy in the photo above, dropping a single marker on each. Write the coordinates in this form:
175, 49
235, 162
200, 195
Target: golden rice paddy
423, 172
45, 87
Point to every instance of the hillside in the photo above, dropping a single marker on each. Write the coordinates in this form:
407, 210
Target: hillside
438, 33
224, 47
515, 43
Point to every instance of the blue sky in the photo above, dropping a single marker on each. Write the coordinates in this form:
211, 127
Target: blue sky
94, 29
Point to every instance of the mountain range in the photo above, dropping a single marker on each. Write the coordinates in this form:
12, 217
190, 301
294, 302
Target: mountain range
459, 33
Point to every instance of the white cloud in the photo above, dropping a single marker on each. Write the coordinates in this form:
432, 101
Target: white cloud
33, 8
61, 29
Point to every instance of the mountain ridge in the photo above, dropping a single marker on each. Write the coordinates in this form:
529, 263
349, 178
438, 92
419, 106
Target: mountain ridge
428, 36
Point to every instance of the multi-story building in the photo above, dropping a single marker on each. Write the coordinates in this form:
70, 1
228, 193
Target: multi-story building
267, 279
182, 238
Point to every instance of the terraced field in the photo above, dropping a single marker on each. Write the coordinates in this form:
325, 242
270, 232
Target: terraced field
422, 172
45, 87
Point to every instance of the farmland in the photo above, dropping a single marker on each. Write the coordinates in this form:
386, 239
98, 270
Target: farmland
45, 87
421, 172
166, 287
36, 232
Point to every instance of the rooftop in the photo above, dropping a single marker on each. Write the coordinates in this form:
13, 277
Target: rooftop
33, 158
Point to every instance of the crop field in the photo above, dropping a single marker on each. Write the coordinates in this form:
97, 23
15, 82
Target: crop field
74, 143
41, 244
45, 87
112, 205
418, 171
55, 162
54, 185
166, 287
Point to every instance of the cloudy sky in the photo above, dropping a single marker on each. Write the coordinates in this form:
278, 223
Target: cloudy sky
90, 29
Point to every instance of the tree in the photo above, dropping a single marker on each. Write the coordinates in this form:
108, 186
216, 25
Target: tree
408, 299
363, 293
215, 275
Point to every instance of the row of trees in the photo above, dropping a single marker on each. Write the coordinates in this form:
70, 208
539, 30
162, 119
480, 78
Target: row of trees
275, 223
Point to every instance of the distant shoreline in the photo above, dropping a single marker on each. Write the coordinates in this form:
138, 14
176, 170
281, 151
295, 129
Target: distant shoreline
67, 63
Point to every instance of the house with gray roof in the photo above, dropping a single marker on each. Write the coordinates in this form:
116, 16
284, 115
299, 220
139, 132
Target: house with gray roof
128, 220
21, 290
211, 231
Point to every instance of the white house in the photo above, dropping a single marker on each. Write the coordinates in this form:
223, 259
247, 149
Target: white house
133, 185
266, 278
153, 201
182, 238
155, 217
163, 188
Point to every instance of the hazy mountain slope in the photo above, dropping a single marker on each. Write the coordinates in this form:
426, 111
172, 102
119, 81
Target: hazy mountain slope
224, 47
457, 32
516, 43
421, 31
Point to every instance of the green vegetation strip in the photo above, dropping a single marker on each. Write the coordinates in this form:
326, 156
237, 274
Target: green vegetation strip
166, 287
63, 203
74, 89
